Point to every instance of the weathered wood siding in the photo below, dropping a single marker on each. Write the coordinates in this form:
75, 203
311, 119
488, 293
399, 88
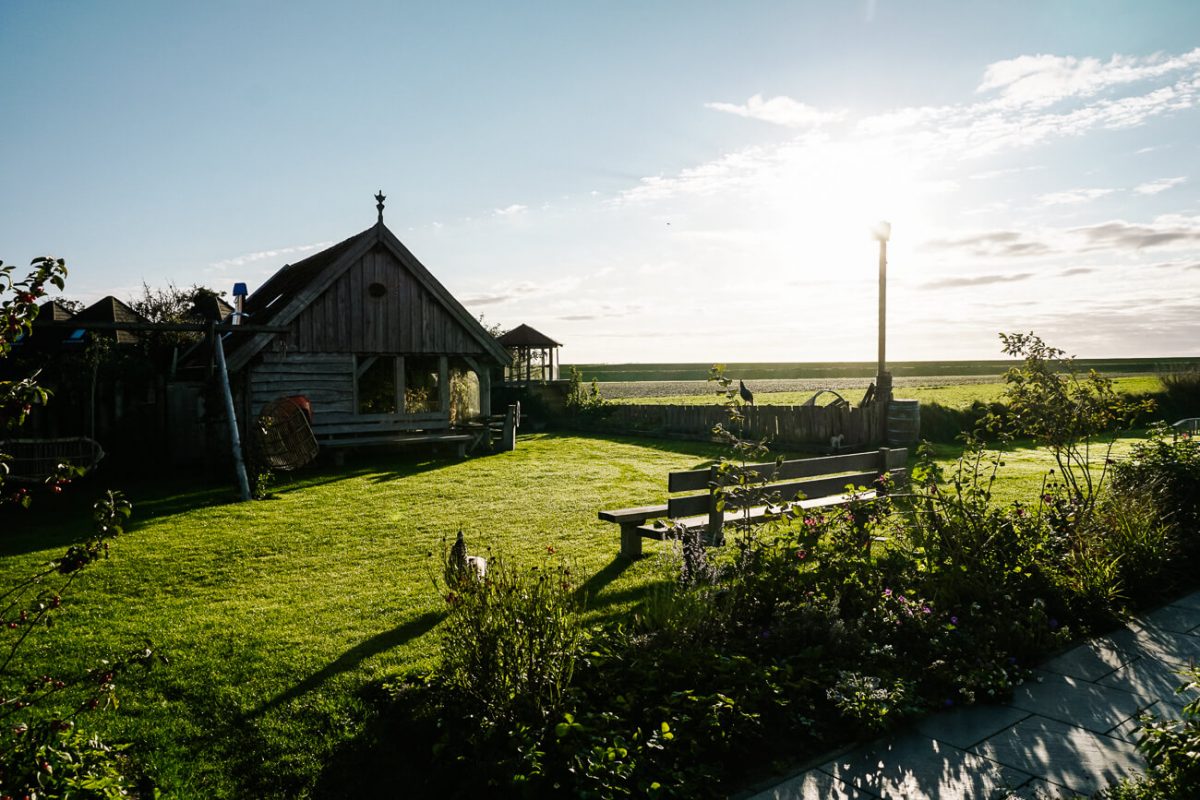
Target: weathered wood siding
407, 319
326, 379
798, 425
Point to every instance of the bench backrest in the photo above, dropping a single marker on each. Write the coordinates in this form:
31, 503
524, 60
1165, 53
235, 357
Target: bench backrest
814, 477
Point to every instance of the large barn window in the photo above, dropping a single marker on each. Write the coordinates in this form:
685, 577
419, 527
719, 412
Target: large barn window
376, 384
464, 392
422, 392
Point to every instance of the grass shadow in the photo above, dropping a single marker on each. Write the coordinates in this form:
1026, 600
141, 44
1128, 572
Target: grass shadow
587, 591
350, 659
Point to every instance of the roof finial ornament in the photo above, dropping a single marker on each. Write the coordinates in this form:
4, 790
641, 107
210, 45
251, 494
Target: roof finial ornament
379, 204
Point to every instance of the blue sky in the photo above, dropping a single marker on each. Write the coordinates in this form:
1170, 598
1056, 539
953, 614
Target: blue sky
642, 181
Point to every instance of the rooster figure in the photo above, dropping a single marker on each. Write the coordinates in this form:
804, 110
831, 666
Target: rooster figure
461, 567
745, 393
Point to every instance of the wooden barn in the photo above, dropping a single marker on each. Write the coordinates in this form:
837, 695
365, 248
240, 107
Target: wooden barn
381, 350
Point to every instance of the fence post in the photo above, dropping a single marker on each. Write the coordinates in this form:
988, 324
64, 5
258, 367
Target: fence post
716, 517
511, 418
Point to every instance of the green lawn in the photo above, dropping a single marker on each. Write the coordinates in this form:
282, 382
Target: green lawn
275, 614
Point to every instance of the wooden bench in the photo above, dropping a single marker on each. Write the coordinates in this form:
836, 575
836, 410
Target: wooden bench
387, 432
822, 481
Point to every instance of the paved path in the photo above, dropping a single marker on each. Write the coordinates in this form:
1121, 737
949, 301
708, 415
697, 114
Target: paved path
1070, 732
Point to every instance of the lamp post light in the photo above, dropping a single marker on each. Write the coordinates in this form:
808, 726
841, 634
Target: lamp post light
883, 379
882, 232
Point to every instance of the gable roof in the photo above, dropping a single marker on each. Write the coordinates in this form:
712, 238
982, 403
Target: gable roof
110, 309
208, 308
525, 336
290, 290
51, 312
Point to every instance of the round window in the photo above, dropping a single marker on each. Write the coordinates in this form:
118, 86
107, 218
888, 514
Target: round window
377, 290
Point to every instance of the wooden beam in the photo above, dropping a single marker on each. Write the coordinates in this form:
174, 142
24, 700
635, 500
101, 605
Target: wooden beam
173, 327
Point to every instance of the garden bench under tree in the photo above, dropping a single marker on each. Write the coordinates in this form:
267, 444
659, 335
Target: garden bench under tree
821, 481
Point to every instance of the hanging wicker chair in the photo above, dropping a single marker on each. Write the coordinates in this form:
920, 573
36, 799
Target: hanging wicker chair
282, 437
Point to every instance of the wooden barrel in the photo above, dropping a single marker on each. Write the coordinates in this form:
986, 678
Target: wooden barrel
903, 422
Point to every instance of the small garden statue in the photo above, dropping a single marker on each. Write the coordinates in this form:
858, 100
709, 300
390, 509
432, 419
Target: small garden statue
460, 567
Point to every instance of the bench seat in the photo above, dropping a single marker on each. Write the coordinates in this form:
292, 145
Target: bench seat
822, 481
658, 528
394, 438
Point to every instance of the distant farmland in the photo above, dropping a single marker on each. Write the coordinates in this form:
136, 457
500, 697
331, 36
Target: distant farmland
605, 373
951, 383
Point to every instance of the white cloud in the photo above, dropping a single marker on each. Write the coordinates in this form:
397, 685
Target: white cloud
780, 110
511, 211
262, 255
1072, 197
933, 138
1154, 187
1167, 230
999, 173
1039, 80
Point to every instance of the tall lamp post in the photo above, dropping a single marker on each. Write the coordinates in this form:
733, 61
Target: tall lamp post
883, 379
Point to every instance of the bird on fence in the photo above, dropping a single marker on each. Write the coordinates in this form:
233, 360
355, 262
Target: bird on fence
746, 394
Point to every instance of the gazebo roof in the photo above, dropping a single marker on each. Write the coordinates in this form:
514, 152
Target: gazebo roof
110, 309
525, 336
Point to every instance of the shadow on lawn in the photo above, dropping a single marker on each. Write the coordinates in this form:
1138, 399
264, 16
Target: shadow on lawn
353, 657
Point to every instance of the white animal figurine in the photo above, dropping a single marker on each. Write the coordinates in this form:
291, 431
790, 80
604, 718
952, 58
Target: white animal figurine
477, 567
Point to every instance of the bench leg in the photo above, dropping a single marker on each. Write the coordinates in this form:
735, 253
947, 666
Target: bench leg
631, 540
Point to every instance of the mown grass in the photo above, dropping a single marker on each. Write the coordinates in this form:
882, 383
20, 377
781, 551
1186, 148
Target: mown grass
277, 614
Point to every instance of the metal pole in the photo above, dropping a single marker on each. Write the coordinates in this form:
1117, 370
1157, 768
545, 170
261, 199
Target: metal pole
882, 306
234, 438
883, 380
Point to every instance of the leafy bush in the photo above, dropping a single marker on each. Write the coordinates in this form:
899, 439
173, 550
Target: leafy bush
1182, 391
1048, 401
1171, 747
580, 400
509, 641
1166, 471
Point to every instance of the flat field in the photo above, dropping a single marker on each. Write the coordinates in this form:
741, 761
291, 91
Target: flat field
278, 615
952, 392
863, 371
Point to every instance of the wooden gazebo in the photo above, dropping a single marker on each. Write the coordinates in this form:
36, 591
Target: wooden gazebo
535, 355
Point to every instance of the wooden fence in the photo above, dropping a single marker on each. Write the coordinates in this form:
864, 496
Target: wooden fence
784, 425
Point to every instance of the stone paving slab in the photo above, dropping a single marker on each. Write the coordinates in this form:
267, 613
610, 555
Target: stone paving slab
916, 767
1069, 756
1128, 730
1190, 601
968, 726
813, 785
1157, 643
1090, 660
1076, 702
1179, 619
1151, 679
